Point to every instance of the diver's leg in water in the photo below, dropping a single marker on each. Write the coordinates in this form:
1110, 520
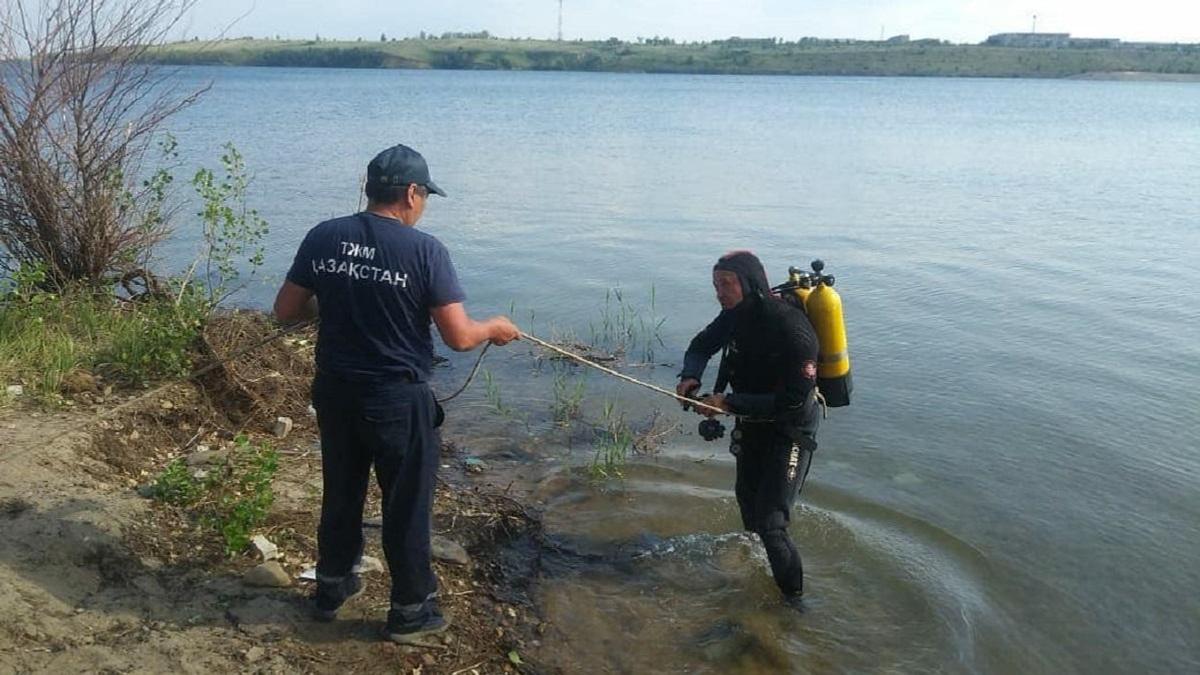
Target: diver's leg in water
779, 484
750, 462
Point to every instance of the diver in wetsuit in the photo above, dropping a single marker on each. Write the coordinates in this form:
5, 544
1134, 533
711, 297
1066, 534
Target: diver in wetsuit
770, 360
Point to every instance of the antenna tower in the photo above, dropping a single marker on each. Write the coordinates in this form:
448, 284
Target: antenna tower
560, 20
1033, 31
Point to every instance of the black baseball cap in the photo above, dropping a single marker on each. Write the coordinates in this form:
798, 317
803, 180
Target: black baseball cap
401, 165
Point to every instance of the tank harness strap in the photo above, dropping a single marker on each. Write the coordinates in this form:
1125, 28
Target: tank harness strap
821, 400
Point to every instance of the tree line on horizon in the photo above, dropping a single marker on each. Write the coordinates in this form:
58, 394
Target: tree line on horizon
659, 55
666, 41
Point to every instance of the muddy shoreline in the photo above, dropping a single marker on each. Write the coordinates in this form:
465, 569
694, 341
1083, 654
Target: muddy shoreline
96, 577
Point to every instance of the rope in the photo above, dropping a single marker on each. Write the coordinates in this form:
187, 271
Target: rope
621, 376
304, 324
478, 361
684, 399
242, 352
286, 330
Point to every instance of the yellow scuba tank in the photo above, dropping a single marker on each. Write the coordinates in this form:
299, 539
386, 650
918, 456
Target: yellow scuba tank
813, 292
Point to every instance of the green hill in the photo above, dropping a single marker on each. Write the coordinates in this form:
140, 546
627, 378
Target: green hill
768, 57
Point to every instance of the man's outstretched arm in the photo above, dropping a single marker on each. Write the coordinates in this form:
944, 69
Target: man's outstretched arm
462, 333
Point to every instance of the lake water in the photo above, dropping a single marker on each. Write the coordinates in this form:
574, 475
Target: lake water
1016, 487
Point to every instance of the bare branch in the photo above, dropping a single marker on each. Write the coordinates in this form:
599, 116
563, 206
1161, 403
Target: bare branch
78, 112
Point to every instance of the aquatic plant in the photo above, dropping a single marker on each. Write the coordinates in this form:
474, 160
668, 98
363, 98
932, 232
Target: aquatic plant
492, 392
624, 327
568, 396
614, 439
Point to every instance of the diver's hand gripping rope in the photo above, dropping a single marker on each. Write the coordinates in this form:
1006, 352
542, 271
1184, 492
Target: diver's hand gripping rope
622, 376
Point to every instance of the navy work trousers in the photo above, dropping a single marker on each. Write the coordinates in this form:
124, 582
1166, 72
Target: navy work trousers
771, 469
390, 424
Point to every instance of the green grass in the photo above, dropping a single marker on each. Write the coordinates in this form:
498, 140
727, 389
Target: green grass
231, 499
627, 328
612, 445
44, 337
569, 391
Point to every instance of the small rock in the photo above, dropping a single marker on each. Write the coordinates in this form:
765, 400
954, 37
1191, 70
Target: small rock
134, 435
268, 575
449, 551
14, 506
166, 405
368, 564
152, 563
262, 617
14, 390
283, 427
428, 659
78, 382
204, 456
147, 491
475, 465
266, 549
149, 586
552, 486
312, 412
254, 654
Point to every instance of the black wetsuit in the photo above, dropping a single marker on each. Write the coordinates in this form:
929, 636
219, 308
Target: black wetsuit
770, 361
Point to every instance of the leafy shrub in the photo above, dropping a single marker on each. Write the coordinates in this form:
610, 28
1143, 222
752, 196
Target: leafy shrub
232, 498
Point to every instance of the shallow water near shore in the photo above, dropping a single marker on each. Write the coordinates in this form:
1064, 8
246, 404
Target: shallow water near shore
1015, 487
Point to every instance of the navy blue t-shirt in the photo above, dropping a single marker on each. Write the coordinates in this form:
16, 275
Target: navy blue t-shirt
375, 280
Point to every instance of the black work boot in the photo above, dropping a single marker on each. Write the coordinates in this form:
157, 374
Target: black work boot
407, 625
330, 596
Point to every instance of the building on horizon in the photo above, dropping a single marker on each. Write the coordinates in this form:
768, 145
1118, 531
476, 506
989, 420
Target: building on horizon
1050, 41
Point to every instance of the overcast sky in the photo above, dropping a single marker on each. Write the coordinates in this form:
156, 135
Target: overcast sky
955, 20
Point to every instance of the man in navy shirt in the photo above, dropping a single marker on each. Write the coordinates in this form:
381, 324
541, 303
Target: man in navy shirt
377, 283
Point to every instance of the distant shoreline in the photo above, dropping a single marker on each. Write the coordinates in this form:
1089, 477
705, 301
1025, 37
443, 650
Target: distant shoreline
928, 58
1136, 76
